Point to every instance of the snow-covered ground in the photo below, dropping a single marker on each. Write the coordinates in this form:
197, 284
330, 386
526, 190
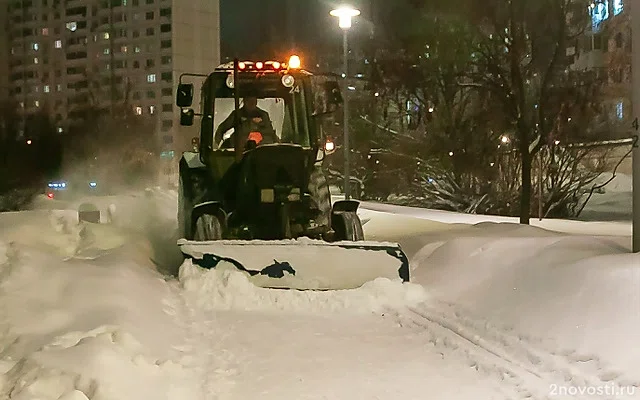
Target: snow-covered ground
496, 311
615, 204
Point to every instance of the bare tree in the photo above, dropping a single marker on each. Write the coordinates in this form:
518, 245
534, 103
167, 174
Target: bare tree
520, 58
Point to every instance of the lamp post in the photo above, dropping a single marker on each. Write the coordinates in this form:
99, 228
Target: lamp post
344, 15
635, 60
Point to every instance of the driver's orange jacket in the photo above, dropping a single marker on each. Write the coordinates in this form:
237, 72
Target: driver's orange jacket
258, 121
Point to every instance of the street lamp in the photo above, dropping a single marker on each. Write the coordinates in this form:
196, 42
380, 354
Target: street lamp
635, 57
344, 15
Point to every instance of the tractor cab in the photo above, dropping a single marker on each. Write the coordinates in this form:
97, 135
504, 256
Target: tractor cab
260, 143
292, 99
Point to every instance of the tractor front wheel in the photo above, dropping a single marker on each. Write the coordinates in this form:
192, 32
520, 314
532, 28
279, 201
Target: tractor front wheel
208, 228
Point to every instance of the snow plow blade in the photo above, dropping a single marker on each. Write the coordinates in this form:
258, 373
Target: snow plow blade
302, 264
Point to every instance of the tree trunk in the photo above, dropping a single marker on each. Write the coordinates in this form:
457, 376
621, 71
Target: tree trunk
525, 193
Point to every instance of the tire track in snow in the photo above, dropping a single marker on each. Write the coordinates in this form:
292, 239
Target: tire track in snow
485, 361
205, 354
577, 369
513, 358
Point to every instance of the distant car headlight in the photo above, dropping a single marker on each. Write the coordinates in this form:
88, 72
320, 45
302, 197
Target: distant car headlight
57, 185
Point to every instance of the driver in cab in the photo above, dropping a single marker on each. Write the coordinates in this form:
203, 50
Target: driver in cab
255, 124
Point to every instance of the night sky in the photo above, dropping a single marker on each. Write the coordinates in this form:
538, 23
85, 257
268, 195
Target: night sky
253, 29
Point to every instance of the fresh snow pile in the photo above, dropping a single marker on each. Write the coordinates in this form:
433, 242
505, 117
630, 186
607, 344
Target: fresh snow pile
227, 289
496, 311
56, 231
580, 294
78, 329
615, 204
618, 184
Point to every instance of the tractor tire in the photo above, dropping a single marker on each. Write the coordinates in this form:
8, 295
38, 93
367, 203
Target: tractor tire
208, 228
321, 196
349, 228
183, 226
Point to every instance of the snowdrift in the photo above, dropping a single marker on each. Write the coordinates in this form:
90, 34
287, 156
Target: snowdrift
580, 294
83, 329
229, 289
85, 314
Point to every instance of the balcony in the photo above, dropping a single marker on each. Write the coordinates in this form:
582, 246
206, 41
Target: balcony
76, 12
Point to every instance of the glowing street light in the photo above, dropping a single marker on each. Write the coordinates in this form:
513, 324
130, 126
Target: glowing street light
344, 15
635, 164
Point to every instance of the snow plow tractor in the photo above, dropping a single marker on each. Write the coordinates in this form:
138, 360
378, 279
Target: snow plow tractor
252, 194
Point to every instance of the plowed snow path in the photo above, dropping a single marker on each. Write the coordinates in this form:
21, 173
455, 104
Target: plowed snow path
536, 372
276, 355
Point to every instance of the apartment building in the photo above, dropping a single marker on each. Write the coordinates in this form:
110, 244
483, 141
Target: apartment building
4, 53
65, 54
606, 48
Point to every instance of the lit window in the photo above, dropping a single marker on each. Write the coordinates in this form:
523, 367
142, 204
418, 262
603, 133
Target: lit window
35, 46
37, 103
152, 109
620, 110
22, 104
138, 110
72, 26
123, 49
137, 49
105, 51
618, 6
105, 35
151, 78
35, 60
46, 89
58, 44
599, 13
60, 130
58, 87
45, 31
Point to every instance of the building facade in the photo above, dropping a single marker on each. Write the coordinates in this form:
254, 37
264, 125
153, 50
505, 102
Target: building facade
65, 54
606, 48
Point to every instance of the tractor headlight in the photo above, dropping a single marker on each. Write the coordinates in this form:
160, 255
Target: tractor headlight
329, 145
288, 81
230, 82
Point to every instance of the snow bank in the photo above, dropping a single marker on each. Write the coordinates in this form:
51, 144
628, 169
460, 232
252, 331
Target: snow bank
615, 204
149, 215
620, 183
227, 289
108, 327
581, 293
395, 217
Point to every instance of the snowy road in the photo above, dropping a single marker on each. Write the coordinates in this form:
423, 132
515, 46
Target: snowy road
109, 327
525, 365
